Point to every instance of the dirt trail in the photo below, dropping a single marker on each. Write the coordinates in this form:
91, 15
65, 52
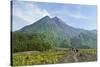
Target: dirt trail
70, 57
75, 58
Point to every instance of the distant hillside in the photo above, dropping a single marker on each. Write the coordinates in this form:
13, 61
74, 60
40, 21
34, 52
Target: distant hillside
58, 33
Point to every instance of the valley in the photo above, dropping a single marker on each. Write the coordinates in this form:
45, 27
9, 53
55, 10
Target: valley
49, 41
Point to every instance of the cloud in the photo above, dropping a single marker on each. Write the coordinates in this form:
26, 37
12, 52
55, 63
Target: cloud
28, 11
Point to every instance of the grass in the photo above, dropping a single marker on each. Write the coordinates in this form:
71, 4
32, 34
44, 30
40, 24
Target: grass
88, 51
88, 55
51, 57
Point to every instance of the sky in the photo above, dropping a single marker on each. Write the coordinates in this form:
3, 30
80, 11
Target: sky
76, 15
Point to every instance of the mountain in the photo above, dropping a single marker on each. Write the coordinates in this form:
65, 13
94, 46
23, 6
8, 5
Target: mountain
56, 31
51, 24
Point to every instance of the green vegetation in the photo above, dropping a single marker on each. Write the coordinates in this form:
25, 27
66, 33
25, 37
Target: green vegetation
88, 55
52, 56
55, 32
42, 42
65, 43
44, 49
28, 42
88, 51
48, 41
46, 57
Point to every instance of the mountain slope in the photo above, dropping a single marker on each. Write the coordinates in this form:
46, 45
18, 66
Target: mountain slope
51, 24
56, 31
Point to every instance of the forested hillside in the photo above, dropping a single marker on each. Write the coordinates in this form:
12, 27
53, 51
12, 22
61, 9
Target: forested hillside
48, 33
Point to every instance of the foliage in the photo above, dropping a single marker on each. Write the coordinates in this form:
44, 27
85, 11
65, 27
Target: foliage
46, 57
65, 43
42, 42
28, 42
52, 56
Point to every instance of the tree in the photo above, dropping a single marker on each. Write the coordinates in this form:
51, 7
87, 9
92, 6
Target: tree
29, 42
75, 42
65, 43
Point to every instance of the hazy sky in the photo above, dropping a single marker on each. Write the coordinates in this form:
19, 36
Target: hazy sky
79, 16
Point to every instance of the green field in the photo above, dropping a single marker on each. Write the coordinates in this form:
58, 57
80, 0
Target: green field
53, 56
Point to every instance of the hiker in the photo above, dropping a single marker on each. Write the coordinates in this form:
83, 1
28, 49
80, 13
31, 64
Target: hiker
74, 50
